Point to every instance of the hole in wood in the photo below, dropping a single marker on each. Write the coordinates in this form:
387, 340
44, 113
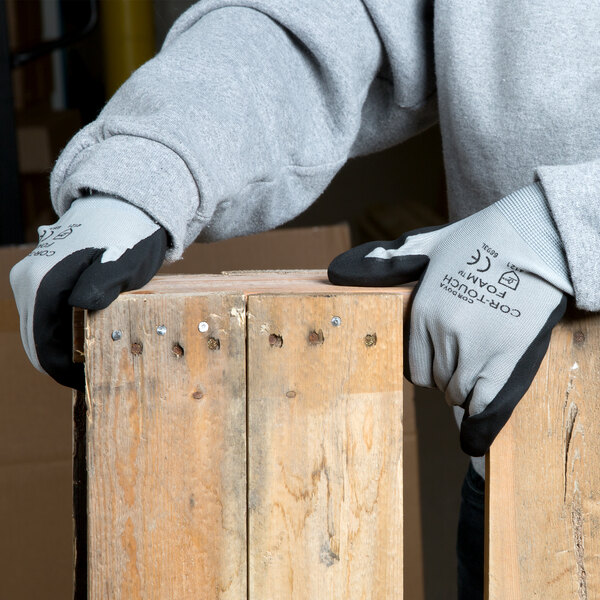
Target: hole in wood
275, 341
177, 350
136, 348
197, 395
370, 339
316, 337
213, 343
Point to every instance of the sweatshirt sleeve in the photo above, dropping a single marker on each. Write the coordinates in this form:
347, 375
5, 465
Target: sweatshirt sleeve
248, 112
573, 194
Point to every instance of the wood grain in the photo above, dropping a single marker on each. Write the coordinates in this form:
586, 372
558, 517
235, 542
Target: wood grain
166, 440
166, 449
325, 447
414, 577
543, 480
309, 281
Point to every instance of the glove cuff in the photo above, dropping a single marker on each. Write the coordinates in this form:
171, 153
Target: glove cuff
527, 211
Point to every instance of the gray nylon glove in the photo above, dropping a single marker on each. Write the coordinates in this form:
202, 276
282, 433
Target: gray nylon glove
100, 247
490, 289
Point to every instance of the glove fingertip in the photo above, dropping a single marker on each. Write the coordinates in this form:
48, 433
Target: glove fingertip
86, 294
355, 268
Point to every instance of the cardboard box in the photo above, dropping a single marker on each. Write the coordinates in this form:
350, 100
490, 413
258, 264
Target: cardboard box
35, 414
41, 135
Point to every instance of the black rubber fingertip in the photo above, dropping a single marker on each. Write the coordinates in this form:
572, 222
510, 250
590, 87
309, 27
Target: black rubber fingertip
74, 377
101, 283
60, 289
87, 294
477, 432
52, 318
353, 268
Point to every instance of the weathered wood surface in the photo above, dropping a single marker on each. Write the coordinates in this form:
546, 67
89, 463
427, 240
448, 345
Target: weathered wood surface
258, 282
166, 438
166, 449
325, 447
543, 479
414, 577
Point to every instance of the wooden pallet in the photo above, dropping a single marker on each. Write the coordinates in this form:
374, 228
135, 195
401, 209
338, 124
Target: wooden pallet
242, 438
254, 449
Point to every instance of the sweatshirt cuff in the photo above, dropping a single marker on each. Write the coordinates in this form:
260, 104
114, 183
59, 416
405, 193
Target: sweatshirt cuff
145, 173
528, 212
573, 193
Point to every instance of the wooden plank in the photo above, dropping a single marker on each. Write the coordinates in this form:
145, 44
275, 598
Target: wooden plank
258, 282
166, 448
414, 581
325, 446
543, 479
79, 474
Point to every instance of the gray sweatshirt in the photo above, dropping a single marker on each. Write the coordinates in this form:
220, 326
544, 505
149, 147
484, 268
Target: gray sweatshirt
251, 107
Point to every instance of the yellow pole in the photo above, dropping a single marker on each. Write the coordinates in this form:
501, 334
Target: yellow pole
128, 38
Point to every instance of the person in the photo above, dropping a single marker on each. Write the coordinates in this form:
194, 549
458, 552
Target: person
250, 109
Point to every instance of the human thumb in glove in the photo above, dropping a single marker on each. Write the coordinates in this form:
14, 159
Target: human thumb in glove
100, 247
490, 289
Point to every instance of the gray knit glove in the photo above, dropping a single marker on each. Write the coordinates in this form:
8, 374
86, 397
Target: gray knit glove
490, 289
97, 249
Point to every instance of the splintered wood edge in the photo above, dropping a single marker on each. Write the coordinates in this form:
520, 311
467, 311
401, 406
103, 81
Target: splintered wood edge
78, 336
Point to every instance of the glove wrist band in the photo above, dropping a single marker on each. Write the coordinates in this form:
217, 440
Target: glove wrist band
527, 211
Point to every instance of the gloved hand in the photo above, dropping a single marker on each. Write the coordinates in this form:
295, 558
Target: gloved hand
490, 289
100, 247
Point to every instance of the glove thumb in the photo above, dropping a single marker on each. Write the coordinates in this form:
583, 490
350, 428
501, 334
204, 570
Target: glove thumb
386, 263
102, 282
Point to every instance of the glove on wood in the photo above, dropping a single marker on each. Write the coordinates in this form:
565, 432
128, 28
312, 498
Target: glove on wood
490, 289
97, 249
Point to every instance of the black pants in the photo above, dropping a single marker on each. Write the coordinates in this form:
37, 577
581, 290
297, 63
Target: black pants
470, 540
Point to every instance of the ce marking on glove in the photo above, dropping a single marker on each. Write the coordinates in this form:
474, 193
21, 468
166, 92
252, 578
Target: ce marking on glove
55, 234
476, 260
45, 234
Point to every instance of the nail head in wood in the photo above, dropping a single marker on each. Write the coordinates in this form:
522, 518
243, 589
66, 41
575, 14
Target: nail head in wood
370, 339
316, 337
276, 341
213, 343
